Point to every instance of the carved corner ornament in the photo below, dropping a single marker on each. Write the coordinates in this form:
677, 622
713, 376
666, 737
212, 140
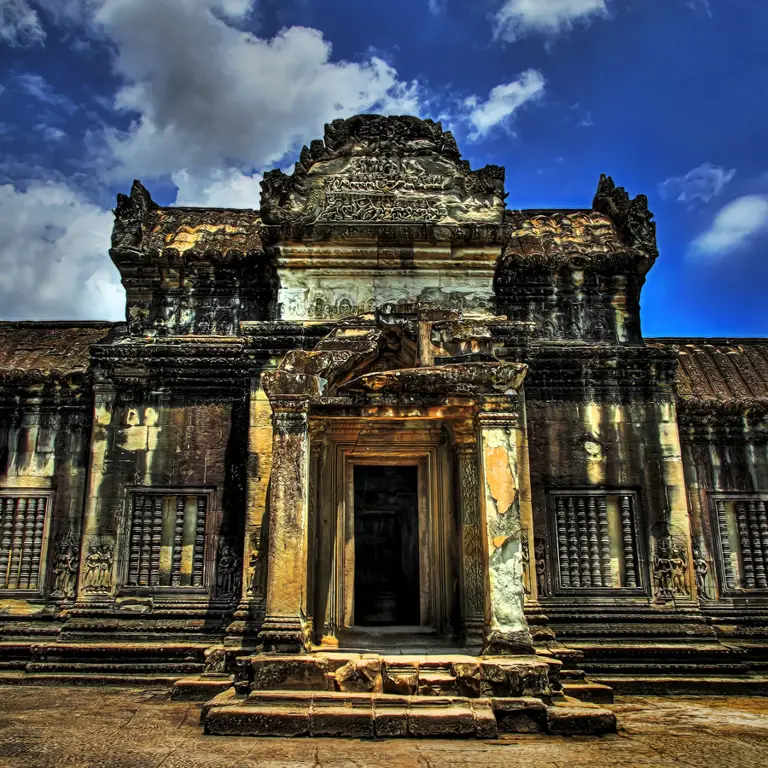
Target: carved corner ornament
631, 217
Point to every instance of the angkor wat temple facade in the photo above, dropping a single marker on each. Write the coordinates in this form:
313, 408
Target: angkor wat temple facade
383, 415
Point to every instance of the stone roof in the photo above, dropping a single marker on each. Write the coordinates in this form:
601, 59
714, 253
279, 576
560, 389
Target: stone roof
47, 350
720, 372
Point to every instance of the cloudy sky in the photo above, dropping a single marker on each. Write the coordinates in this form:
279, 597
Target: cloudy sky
198, 97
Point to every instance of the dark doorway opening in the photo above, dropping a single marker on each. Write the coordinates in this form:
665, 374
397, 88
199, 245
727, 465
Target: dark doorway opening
386, 546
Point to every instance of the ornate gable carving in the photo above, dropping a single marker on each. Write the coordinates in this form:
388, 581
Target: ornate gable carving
377, 169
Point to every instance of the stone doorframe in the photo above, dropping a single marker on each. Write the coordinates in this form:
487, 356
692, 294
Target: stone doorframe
351, 443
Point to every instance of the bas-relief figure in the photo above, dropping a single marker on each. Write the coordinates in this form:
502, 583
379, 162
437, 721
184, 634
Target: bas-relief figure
384, 309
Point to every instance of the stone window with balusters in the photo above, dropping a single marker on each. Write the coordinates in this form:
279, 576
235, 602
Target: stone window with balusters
166, 539
741, 525
23, 526
597, 548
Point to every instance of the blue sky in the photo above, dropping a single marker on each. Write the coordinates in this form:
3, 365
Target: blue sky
198, 97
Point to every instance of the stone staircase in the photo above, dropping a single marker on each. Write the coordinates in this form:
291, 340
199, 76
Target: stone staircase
652, 651
382, 696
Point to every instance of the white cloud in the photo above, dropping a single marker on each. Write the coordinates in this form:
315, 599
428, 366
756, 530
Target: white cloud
220, 189
733, 226
516, 18
705, 182
436, 6
206, 94
20, 24
54, 261
502, 102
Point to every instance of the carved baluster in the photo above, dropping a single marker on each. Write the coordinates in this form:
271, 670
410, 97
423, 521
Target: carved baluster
18, 537
37, 543
146, 542
5, 541
178, 536
746, 551
725, 545
157, 540
562, 542
605, 542
762, 525
573, 543
134, 556
594, 546
756, 546
198, 552
26, 543
630, 574
581, 516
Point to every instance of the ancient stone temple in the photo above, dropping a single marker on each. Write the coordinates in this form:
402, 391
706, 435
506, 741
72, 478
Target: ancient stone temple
384, 458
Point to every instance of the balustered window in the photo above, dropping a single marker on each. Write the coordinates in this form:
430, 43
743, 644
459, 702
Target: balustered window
597, 545
742, 531
23, 522
166, 539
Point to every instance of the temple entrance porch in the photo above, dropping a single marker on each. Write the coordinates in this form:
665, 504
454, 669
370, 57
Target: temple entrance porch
385, 561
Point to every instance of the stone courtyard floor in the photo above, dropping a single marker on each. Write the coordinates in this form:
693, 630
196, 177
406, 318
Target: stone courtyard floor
125, 728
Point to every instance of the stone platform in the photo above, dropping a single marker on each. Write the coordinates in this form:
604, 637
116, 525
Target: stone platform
379, 696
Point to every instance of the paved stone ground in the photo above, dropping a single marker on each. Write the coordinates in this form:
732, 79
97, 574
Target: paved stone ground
119, 728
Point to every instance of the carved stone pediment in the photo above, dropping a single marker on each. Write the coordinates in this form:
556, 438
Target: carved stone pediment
376, 169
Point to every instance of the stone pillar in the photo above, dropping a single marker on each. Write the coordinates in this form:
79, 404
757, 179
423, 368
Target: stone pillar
499, 439
96, 581
678, 517
285, 627
249, 615
472, 559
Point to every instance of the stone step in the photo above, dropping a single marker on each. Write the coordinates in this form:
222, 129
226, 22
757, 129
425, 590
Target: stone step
284, 713
572, 717
589, 691
694, 668
370, 715
663, 685
572, 675
200, 687
93, 667
164, 682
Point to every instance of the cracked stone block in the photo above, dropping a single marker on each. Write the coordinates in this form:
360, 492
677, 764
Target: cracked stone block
468, 679
399, 679
449, 722
258, 721
359, 676
295, 673
350, 722
437, 684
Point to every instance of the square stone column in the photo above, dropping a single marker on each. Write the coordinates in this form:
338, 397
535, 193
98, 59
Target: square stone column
472, 566
499, 441
285, 628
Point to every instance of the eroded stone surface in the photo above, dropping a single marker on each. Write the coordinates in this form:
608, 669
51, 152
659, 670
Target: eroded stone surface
47, 727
